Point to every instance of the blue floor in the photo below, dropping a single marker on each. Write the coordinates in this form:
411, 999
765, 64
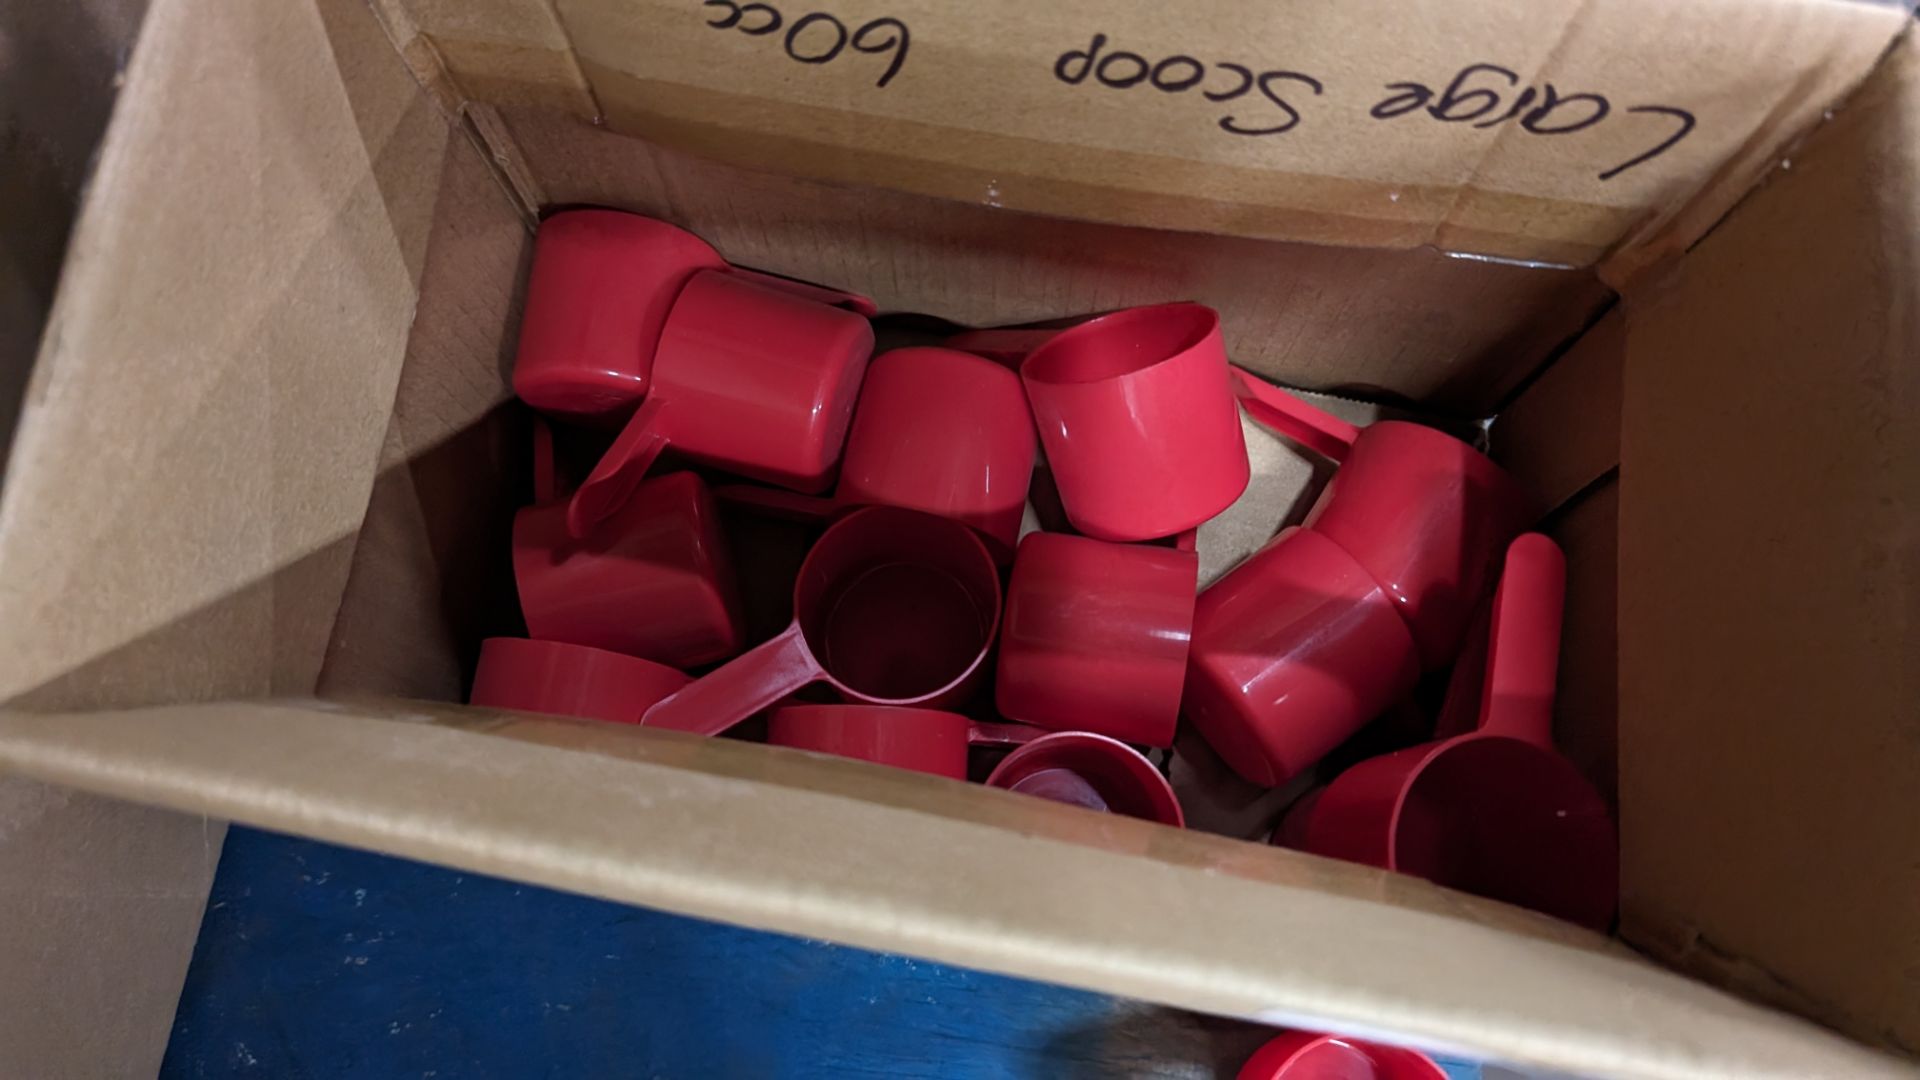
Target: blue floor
318, 961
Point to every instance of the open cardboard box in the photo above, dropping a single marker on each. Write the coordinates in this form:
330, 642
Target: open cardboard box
269, 452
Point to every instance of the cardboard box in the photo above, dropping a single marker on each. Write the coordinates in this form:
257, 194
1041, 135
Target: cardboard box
255, 517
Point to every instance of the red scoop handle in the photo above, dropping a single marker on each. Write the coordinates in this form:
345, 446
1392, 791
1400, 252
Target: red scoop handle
739, 688
1523, 642
1314, 428
620, 469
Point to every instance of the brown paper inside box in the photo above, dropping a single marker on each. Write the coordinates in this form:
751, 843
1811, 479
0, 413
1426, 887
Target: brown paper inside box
255, 521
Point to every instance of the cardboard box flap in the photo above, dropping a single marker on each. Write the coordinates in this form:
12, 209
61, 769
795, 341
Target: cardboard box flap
1550, 131
191, 463
1770, 585
202, 427
955, 873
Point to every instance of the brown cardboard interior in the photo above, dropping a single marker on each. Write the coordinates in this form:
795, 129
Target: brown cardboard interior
317, 469
1770, 585
1555, 131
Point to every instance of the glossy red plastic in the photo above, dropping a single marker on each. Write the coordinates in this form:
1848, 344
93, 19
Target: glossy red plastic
1460, 705
923, 740
936, 430
1138, 421
599, 291
1425, 513
1310, 1055
569, 680
602, 284
750, 378
1083, 769
1495, 812
1095, 637
892, 607
654, 580
1293, 650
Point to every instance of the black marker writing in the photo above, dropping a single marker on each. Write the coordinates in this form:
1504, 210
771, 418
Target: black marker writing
1477, 93
816, 37
1221, 81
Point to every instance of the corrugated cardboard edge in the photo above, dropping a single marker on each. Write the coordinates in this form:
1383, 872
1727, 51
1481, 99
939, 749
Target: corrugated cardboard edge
511, 52
952, 872
1656, 243
1770, 584
474, 112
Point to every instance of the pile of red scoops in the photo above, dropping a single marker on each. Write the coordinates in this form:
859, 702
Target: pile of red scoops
925, 624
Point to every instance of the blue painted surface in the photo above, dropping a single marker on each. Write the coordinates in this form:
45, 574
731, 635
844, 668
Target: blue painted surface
318, 961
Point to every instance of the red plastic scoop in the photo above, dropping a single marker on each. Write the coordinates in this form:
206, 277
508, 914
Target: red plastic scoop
1425, 514
891, 607
1309, 1055
922, 740
936, 430
749, 376
1083, 769
1495, 812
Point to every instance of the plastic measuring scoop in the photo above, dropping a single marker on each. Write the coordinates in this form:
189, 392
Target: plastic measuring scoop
1292, 652
749, 377
1138, 422
937, 430
569, 680
1083, 769
598, 295
1061, 786
891, 607
1496, 812
655, 580
1424, 513
920, 740
1095, 636
1310, 1055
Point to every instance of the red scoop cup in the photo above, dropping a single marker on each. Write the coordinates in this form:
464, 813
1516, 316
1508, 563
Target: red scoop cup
936, 430
1138, 421
922, 740
655, 579
1092, 771
569, 680
749, 378
1424, 513
1309, 1055
599, 292
1095, 637
892, 607
1293, 651
1496, 812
